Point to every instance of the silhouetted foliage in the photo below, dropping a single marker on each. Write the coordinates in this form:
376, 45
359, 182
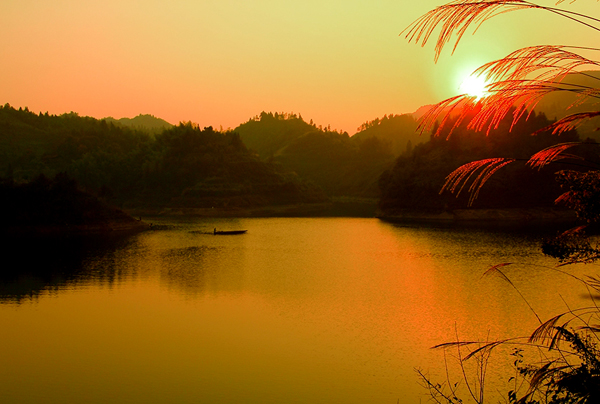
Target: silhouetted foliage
182, 166
269, 132
568, 371
395, 131
417, 178
339, 164
205, 168
57, 202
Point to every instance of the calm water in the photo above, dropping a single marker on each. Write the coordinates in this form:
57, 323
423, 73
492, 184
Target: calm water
295, 311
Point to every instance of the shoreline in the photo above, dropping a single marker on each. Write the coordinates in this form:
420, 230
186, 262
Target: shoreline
338, 207
515, 218
367, 208
100, 229
507, 217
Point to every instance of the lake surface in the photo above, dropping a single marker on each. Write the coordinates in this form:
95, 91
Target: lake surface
338, 310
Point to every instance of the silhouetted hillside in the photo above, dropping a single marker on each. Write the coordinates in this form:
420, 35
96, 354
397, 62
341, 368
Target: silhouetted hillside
416, 179
145, 123
57, 206
338, 164
190, 167
398, 132
181, 166
268, 133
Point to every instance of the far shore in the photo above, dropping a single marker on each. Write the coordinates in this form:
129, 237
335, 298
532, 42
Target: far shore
338, 207
518, 218
117, 227
367, 208
509, 217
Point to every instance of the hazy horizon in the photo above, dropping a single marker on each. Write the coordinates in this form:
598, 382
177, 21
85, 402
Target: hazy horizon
220, 63
220, 127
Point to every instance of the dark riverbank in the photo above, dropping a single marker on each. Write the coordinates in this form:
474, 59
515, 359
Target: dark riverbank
57, 207
357, 207
109, 227
501, 218
337, 207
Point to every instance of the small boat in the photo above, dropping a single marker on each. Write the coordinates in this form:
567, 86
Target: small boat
229, 232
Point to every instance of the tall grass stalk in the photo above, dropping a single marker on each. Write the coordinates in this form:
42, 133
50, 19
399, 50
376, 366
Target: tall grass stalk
566, 347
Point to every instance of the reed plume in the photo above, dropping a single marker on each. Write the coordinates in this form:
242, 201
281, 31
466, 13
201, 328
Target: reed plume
477, 171
551, 154
456, 17
518, 81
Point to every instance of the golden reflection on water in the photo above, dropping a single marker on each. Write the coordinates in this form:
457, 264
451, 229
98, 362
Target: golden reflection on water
296, 310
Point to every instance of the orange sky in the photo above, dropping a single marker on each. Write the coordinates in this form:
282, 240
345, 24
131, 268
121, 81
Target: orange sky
220, 62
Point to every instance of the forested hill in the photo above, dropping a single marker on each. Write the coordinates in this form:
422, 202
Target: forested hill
184, 166
144, 123
189, 167
56, 207
417, 178
339, 164
268, 133
399, 132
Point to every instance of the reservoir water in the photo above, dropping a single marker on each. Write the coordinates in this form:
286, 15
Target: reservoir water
328, 310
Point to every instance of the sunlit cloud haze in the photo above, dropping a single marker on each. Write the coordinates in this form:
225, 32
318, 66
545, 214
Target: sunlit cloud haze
220, 62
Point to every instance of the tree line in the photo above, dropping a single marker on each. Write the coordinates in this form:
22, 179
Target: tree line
183, 166
274, 159
418, 176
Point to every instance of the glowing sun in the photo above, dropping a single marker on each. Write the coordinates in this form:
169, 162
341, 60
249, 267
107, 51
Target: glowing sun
474, 86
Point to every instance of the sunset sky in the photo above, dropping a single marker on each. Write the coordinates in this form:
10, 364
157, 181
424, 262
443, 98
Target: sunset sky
220, 62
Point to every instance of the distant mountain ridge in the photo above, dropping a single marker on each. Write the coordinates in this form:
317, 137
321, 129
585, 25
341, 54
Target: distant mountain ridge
147, 123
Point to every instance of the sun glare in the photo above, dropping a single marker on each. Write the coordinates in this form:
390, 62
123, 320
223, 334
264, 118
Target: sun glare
474, 86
